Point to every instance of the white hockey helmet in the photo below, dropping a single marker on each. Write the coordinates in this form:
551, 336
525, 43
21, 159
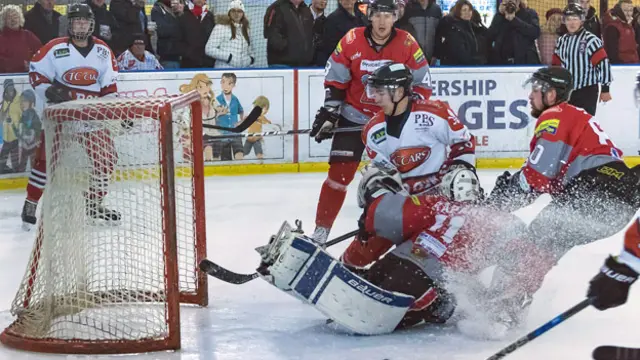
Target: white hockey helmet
461, 184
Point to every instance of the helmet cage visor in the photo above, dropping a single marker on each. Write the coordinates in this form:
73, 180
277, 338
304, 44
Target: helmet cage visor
372, 10
78, 21
377, 91
537, 85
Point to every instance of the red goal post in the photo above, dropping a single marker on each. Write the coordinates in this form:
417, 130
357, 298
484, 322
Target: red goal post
96, 287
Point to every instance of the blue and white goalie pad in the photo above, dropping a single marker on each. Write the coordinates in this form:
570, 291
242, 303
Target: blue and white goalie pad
296, 264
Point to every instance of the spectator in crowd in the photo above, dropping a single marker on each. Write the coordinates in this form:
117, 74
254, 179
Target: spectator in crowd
337, 24
403, 21
43, 21
458, 44
29, 130
514, 31
196, 25
17, 45
425, 15
10, 114
289, 26
550, 34
591, 21
481, 31
583, 54
137, 58
229, 43
165, 13
229, 117
131, 20
317, 10
619, 34
105, 25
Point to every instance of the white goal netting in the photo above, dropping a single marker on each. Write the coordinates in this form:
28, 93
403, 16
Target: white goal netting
121, 228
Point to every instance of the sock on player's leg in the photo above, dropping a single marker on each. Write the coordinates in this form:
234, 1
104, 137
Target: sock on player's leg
333, 193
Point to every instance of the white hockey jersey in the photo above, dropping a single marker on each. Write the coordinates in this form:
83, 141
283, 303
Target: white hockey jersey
90, 76
420, 144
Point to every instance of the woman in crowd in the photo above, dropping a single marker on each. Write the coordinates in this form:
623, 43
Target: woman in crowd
229, 42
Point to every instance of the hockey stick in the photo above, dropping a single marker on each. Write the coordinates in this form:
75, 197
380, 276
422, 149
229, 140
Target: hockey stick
541, 330
231, 277
610, 352
279, 133
244, 125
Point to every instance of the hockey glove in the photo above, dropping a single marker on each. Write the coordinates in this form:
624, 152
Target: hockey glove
508, 194
610, 288
57, 93
326, 119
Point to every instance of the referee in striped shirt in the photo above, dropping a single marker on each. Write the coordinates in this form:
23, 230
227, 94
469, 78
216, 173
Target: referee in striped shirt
583, 54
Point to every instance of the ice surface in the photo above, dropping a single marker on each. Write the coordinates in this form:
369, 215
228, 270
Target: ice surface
256, 321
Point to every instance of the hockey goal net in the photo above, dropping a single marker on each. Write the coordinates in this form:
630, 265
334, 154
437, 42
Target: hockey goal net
121, 229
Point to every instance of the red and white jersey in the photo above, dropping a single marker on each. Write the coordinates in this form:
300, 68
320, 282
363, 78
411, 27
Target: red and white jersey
428, 135
90, 76
460, 235
566, 141
631, 253
356, 57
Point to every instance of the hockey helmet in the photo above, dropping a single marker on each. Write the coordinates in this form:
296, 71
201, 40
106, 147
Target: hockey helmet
573, 9
461, 184
389, 6
554, 77
389, 78
79, 12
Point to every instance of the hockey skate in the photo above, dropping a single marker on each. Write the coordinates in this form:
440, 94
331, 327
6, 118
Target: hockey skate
320, 235
28, 215
99, 215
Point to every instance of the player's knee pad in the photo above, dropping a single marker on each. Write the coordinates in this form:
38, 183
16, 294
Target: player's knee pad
308, 272
341, 174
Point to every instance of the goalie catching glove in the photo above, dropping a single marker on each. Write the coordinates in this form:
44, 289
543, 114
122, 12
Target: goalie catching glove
57, 93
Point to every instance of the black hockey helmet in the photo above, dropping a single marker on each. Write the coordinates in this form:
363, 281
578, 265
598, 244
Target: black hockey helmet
80, 11
389, 6
555, 77
389, 78
573, 9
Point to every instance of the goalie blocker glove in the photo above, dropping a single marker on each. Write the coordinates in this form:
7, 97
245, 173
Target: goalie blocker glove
610, 288
325, 121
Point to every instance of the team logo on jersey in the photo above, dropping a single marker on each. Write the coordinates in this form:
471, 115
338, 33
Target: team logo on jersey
548, 126
379, 136
60, 53
81, 76
355, 56
407, 159
410, 40
351, 36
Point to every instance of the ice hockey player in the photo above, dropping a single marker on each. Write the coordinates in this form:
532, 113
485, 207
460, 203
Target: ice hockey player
360, 52
421, 140
75, 67
610, 288
433, 234
594, 194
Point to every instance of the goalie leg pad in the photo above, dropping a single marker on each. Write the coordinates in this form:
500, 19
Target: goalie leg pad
311, 274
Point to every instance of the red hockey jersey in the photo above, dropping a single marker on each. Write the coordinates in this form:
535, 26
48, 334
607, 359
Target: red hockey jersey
631, 253
356, 57
566, 141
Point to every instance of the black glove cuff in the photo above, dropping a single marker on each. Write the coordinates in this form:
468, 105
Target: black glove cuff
619, 271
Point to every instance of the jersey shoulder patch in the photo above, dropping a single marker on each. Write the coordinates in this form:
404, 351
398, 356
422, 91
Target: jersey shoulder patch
374, 131
55, 43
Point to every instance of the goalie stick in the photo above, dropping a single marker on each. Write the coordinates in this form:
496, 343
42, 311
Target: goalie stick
244, 125
610, 352
541, 330
279, 133
231, 277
